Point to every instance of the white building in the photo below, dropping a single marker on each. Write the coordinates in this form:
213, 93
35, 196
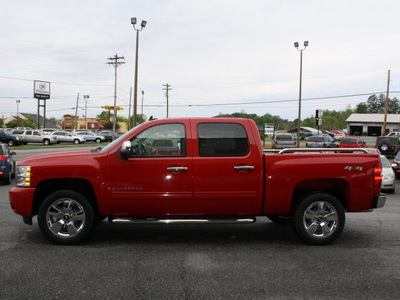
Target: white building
372, 124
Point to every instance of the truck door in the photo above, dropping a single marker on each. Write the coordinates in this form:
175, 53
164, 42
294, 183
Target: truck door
226, 171
153, 182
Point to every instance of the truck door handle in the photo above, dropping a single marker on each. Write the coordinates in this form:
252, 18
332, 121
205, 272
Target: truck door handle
177, 169
243, 168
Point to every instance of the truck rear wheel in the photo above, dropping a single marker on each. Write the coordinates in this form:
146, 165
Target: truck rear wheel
319, 219
66, 217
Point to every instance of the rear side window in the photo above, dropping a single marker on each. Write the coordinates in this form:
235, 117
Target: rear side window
222, 139
284, 137
349, 141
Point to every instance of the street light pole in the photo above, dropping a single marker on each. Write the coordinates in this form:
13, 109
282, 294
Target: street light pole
86, 97
142, 25
142, 103
18, 101
296, 44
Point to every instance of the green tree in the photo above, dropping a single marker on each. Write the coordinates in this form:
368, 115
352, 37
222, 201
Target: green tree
1, 123
361, 108
28, 122
109, 125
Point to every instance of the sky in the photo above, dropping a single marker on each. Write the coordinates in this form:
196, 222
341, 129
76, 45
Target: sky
218, 56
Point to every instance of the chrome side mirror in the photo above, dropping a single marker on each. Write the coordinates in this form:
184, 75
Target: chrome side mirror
126, 148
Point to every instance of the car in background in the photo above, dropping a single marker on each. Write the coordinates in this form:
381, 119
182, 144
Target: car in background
338, 134
90, 136
388, 176
396, 165
67, 137
394, 133
352, 143
7, 164
305, 135
388, 145
321, 141
108, 134
164, 147
283, 140
10, 140
35, 136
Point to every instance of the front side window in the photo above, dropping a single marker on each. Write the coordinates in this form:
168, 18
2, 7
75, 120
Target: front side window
164, 140
222, 139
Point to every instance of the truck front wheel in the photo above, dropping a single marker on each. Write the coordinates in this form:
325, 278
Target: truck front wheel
66, 217
319, 219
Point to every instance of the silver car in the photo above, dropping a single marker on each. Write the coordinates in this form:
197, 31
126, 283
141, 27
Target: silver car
388, 176
68, 137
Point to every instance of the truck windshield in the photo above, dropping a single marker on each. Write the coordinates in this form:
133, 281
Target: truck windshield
349, 141
284, 137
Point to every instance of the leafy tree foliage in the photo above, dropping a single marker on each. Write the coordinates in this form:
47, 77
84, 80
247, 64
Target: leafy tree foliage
376, 105
28, 122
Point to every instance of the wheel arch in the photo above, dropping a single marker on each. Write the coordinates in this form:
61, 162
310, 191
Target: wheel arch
50, 186
338, 188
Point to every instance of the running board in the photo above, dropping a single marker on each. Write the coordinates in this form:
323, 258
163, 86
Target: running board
245, 220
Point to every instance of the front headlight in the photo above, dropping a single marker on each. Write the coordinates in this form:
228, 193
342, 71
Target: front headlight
23, 176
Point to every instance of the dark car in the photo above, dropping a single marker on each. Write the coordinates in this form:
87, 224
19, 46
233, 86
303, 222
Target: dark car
10, 140
396, 165
7, 164
388, 145
321, 141
108, 134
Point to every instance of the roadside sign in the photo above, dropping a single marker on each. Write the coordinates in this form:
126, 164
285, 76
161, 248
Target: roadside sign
269, 128
41, 89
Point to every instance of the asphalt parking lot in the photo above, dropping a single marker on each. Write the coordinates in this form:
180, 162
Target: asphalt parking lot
256, 261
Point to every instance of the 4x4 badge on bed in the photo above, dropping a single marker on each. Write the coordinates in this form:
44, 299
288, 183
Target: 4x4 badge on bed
359, 168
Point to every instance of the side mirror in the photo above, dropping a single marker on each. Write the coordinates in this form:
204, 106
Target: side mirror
126, 148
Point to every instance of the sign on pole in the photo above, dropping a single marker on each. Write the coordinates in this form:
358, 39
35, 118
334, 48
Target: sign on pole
41, 89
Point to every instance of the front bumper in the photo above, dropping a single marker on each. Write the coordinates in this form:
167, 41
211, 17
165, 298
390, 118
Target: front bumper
21, 200
379, 201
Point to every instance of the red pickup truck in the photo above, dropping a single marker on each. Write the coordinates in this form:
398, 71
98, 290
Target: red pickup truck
220, 174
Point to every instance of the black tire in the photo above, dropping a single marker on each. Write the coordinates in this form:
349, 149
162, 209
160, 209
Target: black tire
76, 142
98, 141
279, 219
10, 143
319, 219
7, 180
46, 142
66, 217
13, 170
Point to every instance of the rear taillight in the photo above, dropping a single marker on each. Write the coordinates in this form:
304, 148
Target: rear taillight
378, 175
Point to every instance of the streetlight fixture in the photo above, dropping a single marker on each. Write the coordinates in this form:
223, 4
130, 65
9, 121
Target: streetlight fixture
296, 44
142, 25
86, 97
18, 102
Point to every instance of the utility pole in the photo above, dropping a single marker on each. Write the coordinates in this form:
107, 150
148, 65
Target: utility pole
76, 112
116, 63
387, 104
167, 89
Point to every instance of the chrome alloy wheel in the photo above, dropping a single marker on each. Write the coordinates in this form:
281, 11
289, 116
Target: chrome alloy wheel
65, 218
320, 219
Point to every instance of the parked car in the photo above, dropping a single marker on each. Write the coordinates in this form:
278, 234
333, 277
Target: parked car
7, 164
10, 140
396, 165
388, 176
36, 136
388, 145
321, 141
90, 136
67, 137
338, 134
305, 135
108, 134
352, 143
394, 133
283, 140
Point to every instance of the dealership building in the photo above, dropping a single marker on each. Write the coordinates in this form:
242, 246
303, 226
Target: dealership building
372, 124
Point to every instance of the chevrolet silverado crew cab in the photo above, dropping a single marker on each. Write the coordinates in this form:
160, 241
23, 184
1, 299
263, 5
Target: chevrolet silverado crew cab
219, 173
